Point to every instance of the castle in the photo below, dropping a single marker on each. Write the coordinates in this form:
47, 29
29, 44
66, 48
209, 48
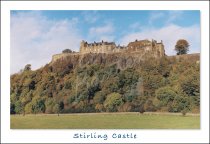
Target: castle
142, 46
139, 47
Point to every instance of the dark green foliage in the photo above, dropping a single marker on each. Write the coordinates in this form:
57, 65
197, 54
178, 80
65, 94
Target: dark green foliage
190, 85
165, 95
179, 103
156, 85
18, 107
12, 108
38, 105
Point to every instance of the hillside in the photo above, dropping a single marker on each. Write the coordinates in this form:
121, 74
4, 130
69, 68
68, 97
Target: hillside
117, 82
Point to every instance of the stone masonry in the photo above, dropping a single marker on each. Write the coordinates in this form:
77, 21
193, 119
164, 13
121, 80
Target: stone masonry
136, 46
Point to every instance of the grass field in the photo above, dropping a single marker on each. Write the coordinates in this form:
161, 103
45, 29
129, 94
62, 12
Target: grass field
104, 121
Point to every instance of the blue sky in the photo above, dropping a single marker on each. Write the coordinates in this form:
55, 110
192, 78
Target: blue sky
37, 35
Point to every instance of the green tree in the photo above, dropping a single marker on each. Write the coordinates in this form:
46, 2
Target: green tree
56, 109
49, 104
28, 108
182, 47
165, 95
190, 84
112, 102
99, 97
18, 107
38, 105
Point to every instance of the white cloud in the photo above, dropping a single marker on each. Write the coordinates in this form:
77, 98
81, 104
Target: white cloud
90, 16
155, 16
34, 39
104, 32
173, 16
169, 16
169, 34
105, 29
135, 26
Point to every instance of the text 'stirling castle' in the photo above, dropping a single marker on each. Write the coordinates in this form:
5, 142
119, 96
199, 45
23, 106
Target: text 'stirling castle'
136, 46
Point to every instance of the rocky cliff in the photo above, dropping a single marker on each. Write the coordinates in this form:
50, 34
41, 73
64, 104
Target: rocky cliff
122, 60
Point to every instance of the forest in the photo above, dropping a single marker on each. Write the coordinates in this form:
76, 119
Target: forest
169, 84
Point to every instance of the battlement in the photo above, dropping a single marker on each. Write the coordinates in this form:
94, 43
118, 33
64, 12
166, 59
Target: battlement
97, 47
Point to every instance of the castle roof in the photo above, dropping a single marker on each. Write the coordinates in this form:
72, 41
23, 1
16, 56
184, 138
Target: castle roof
141, 42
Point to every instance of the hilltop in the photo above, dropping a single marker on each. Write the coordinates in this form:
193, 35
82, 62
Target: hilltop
141, 79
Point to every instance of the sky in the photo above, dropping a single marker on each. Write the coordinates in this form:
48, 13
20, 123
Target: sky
37, 35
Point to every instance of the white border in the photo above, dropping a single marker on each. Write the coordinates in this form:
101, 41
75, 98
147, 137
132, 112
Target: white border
65, 136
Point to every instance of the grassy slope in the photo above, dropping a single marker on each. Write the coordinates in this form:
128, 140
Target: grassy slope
104, 121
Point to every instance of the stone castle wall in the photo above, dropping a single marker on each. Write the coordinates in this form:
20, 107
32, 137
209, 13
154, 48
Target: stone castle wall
143, 48
136, 46
100, 47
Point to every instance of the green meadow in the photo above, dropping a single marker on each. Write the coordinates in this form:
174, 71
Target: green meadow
104, 121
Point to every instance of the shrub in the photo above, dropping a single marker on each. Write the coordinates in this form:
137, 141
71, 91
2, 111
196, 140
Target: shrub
67, 51
112, 102
165, 95
141, 109
184, 112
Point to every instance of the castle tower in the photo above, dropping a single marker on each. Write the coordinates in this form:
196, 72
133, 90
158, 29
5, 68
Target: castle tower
82, 46
160, 48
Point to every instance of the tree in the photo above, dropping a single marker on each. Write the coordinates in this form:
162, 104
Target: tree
99, 107
190, 84
165, 95
184, 112
112, 101
182, 47
18, 107
56, 109
49, 104
38, 105
141, 109
67, 51
27, 67
149, 106
99, 97
12, 108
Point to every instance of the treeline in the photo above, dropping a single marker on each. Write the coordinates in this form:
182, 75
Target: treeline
167, 84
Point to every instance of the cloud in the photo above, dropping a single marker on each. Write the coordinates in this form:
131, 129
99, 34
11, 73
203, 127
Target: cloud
104, 32
135, 26
173, 16
168, 16
34, 39
90, 16
155, 16
169, 34
105, 29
